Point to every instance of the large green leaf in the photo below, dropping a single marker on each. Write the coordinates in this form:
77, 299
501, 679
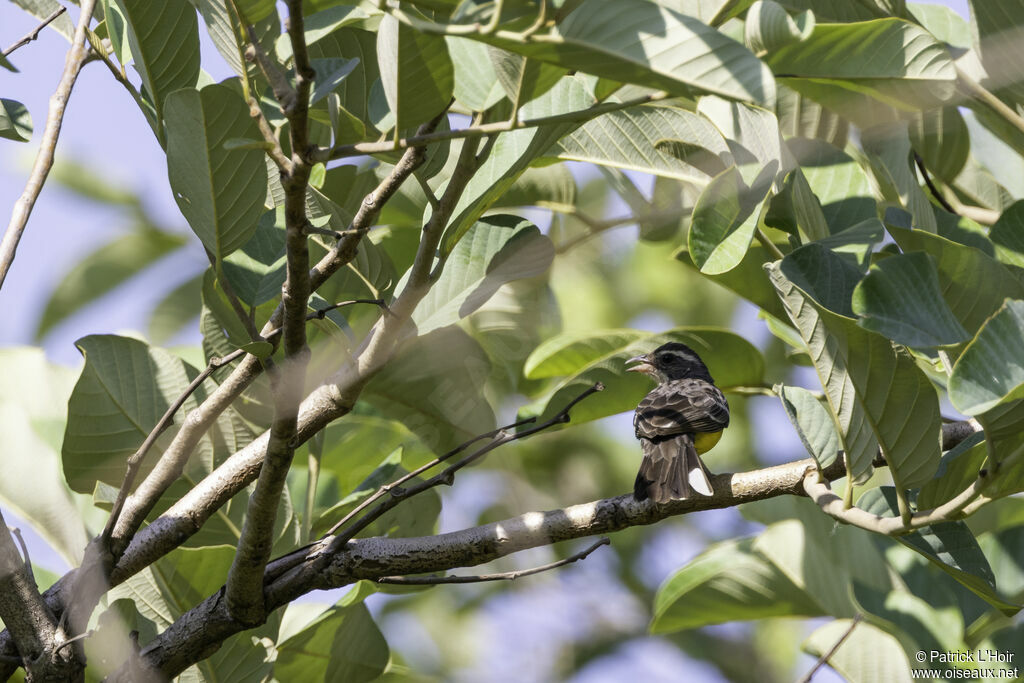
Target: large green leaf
220, 192
802, 117
476, 85
731, 581
434, 387
322, 25
940, 136
600, 357
990, 371
522, 79
997, 27
663, 140
497, 249
892, 60
257, 270
950, 546
900, 299
343, 645
879, 396
973, 284
723, 222
613, 39
164, 40
97, 273
416, 72
889, 155
222, 26
958, 470
1008, 235
747, 278
32, 422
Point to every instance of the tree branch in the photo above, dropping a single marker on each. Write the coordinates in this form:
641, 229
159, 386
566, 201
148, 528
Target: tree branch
503, 576
44, 157
480, 130
34, 33
244, 594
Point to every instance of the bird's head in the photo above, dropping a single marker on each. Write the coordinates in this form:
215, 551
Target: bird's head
669, 362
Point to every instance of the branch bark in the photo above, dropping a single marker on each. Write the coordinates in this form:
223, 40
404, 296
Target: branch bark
73, 62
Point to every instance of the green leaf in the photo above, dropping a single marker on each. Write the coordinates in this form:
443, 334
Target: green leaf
900, 299
321, 25
351, 43
220, 192
940, 136
99, 272
949, 545
330, 73
878, 395
416, 71
813, 424
497, 249
41, 9
683, 56
995, 27
164, 41
990, 371
221, 24
522, 79
255, 10
894, 61
477, 86
731, 581
838, 182
1005, 552
32, 424
166, 589
724, 220
942, 22
917, 624
769, 28
257, 270
663, 140
748, 279
15, 121
180, 307
356, 448
434, 387
888, 152
973, 284
802, 117
1008, 235
958, 470
513, 153
343, 645
867, 654
601, 356
124, 389
796, 210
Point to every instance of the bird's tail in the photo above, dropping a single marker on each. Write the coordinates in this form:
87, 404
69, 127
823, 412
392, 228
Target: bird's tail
671, 470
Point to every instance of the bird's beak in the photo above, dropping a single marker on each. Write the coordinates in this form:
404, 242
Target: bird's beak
643, 364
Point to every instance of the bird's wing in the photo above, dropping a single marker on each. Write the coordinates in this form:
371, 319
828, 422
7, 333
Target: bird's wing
681, 407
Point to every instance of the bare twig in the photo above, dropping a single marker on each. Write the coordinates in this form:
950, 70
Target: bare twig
502, 576
480, 130
34, 33
44, 157
931, 186
832, 650
16, 532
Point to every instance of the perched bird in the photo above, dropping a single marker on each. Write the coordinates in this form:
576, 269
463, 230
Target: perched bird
679, 419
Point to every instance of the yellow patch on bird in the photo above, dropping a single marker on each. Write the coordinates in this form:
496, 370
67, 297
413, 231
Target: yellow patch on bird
705, 441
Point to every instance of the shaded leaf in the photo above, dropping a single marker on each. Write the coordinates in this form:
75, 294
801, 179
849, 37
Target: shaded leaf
990, 371
343, 645
813, 424
867, 654
15, 121
416, 72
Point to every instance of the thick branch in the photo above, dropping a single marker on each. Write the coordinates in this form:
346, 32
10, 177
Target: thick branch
76, 56
245, 579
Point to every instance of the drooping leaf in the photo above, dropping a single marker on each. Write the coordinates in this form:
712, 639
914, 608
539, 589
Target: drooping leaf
220, 192
1008, 235
523, 79
867, 654
900, 299
958, 470
889, 154
724, 219
802, 117
838, 182
940, 137
223, 29
600, 357
257, 270
41, 9
99, 272
476, 85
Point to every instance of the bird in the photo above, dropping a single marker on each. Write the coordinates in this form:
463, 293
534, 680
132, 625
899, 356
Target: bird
678, 420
